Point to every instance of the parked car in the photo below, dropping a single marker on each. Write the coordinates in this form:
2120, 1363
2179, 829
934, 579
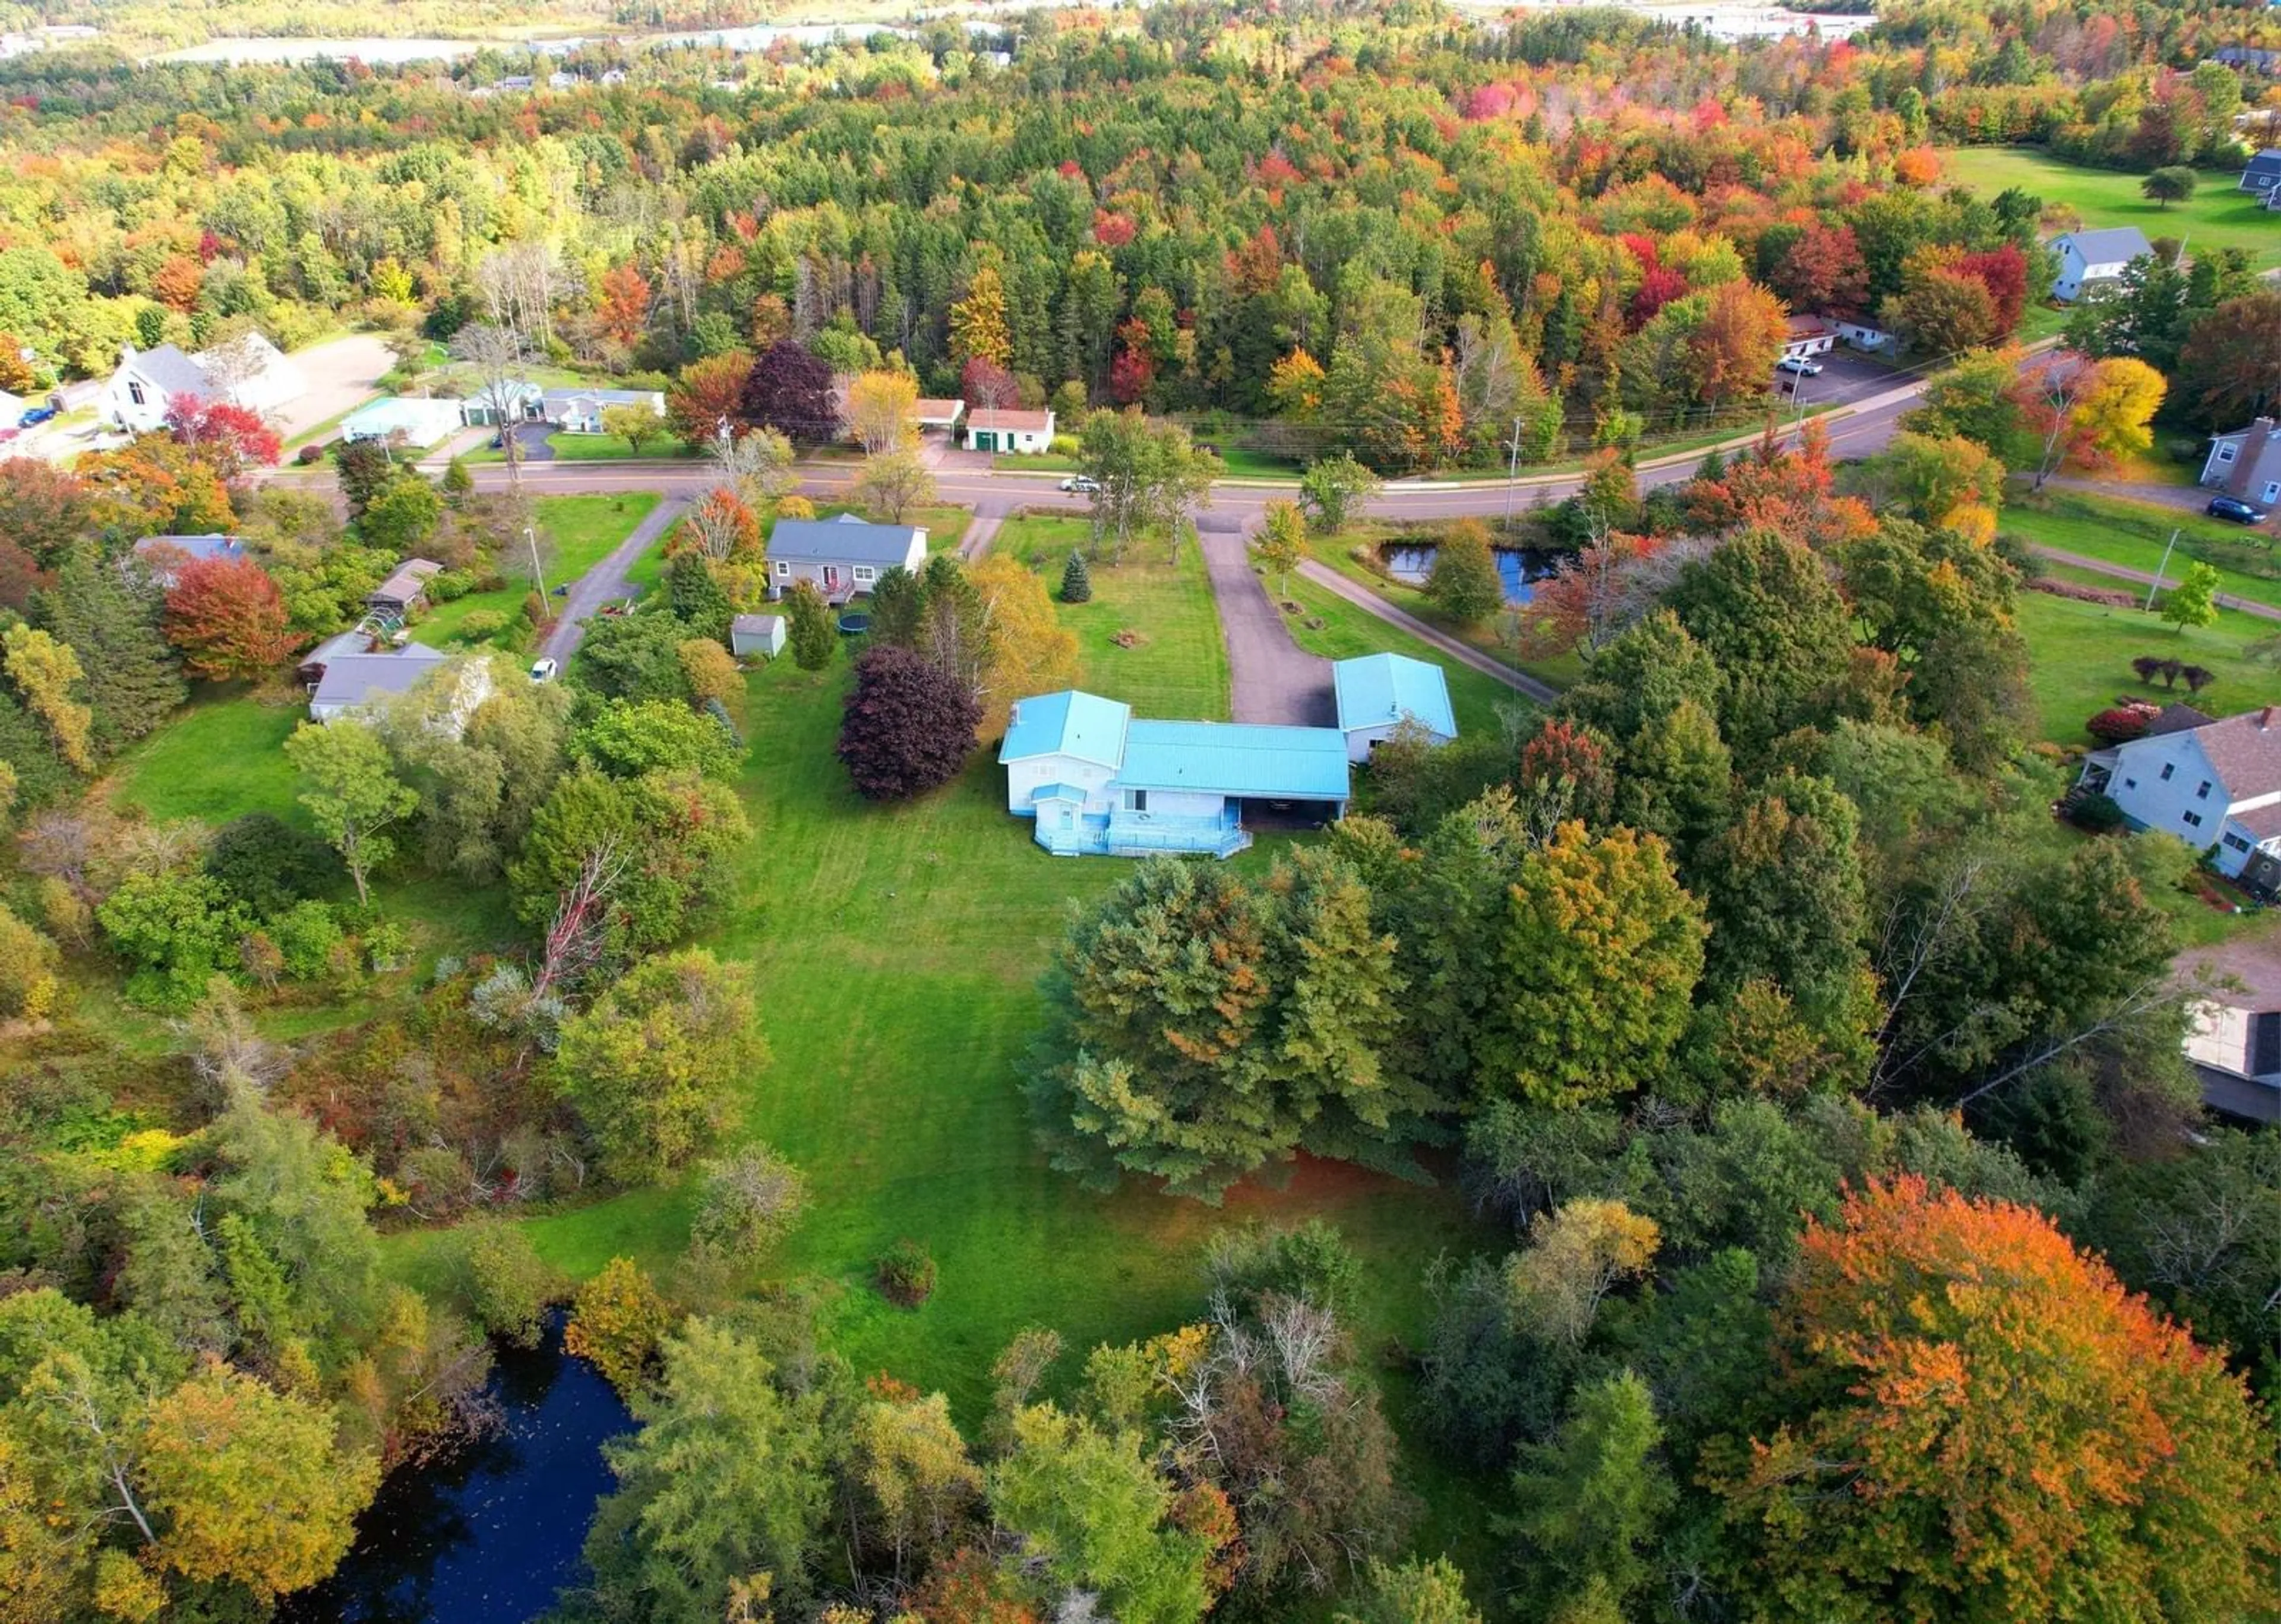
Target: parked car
1798, 365
33, 418
542, 671
1082, 485
2234, 510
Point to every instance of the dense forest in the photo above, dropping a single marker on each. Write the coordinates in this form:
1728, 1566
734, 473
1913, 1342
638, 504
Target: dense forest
1824, 1223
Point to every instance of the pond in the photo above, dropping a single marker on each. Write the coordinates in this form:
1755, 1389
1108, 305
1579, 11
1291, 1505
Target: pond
494, 1532
1411, 561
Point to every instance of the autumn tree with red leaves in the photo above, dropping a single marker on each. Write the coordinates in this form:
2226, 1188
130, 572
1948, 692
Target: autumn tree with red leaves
226, 437
1824, 272
1977, 1420
226, 616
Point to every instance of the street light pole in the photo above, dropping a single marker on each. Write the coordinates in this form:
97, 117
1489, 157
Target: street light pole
1512, 477
2156, 585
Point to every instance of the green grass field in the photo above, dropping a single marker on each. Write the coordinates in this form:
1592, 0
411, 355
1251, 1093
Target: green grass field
897, 951
2080, 654
581, 531
1492, 638
2217, 215
220, 757
2134, 534
1347, 630
1178, 667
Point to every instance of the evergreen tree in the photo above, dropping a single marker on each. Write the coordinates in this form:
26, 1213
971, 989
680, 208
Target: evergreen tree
898, 605
1591, 1499
111, 618
696, 598
1077, 580
1203, 1026
809, 628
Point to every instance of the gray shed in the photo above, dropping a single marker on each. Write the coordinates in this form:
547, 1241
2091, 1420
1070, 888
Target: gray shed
756, 634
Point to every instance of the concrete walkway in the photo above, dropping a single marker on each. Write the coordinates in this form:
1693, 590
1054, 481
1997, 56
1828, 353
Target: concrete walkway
608, 580
1362, 598
1271, 679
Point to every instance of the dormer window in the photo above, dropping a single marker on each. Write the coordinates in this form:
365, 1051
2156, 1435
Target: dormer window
135, 391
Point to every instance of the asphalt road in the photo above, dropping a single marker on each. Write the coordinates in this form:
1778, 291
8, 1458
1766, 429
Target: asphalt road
1272, 679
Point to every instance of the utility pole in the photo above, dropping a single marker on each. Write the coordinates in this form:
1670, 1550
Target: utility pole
2159, 568
1512, 478
536, 573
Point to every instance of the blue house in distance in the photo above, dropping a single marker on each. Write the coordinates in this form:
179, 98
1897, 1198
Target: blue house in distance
1099, 782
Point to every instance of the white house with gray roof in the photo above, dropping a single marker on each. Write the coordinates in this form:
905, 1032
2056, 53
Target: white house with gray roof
2087, 258
842, 557
249, 371
2212, 784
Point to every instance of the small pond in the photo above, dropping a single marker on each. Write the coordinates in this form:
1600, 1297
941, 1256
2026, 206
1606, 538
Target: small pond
1411, 561
495, 1532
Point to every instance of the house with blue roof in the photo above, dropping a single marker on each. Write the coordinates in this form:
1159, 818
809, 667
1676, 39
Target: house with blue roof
1098, 781
1378, 693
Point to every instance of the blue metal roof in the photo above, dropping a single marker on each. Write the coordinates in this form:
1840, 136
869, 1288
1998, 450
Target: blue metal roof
1082, 725
1234, 758
1056, 792
1378, 689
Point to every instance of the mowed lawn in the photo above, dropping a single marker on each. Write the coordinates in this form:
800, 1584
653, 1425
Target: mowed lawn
897, 951
2217, 215
1347, 630
1176, 666
2079, 658
576, 533
2136, 535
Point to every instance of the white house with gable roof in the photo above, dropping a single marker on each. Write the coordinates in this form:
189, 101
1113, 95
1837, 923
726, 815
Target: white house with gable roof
2210, 783
2089, 257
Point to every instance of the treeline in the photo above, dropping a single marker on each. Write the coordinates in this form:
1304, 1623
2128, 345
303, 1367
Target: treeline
1364, 231
1798, 1046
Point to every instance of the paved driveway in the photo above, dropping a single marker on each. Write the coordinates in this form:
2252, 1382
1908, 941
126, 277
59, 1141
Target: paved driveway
342, 374
608, 580
1273, 681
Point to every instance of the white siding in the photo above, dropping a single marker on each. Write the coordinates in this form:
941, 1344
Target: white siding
2170, 804
1025, 778
1359, 739
1183, 803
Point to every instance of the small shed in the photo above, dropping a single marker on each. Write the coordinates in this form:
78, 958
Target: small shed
407, 587
1377, 693
756, 634
416, 422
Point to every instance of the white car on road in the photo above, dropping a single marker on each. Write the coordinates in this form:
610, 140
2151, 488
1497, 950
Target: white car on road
1081, 484
542, 671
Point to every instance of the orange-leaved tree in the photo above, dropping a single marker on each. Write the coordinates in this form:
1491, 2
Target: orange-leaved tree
227, 617
1980, 1421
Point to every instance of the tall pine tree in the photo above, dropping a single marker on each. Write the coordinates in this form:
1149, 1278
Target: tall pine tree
110, 616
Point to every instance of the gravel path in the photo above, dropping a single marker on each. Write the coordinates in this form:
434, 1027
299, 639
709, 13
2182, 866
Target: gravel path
1362, 597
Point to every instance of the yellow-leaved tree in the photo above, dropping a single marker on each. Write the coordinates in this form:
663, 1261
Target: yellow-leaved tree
1031, 651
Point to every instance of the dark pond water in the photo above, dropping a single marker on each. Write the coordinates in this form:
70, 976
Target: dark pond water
494, 1533
1413, 561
